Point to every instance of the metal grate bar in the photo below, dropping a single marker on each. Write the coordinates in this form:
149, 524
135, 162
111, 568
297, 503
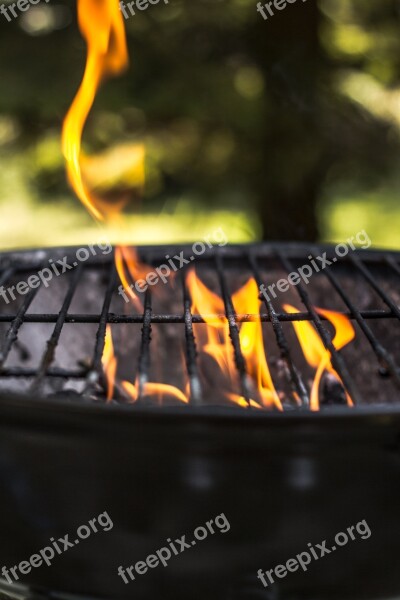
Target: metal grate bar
337, 360
375, 285
179, 318
386, 360
49, 353
52, 372
144, 356
191, 351
96, 371
233, 330
295, 378
12, 333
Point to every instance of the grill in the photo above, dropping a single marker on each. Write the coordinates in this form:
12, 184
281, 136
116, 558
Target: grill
376, 300
283, 479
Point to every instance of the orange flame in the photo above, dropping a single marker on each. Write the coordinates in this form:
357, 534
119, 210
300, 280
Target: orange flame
109, 363
240, 401
128, 265
314, 350
149, 389
102, 26
245, 301
214, 337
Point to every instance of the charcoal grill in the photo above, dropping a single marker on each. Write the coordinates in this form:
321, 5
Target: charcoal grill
282, 479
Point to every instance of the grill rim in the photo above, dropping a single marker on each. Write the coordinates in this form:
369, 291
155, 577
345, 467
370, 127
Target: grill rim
10, 402
263, 248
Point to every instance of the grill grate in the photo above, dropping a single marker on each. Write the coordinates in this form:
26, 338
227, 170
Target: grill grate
337, 361
254, 260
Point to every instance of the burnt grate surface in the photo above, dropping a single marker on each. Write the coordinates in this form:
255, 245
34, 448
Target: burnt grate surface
52, 338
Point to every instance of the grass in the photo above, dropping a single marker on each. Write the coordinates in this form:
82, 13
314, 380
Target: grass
26, 221
346, 212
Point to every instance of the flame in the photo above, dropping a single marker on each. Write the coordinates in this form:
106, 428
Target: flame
240, 401
214, 337
102, 26
129, 266
245, 301
109, 363
150, 389
314, 350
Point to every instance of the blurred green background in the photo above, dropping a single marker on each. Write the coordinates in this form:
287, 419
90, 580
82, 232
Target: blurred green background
281, 129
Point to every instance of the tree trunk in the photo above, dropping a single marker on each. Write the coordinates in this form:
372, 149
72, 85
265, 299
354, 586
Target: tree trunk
293, 166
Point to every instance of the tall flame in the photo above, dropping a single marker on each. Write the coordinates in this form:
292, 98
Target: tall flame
314, 350
245, 301
102, 26
214, 337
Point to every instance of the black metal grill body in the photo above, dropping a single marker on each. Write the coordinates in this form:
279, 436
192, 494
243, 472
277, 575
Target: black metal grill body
282, 480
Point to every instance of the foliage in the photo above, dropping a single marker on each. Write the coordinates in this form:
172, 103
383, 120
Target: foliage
236, 112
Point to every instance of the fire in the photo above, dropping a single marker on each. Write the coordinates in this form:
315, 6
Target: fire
102, 26
129, 267
109, 363
131, 390
314, 350
240, 401
245, 301
154, 389
214, 338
